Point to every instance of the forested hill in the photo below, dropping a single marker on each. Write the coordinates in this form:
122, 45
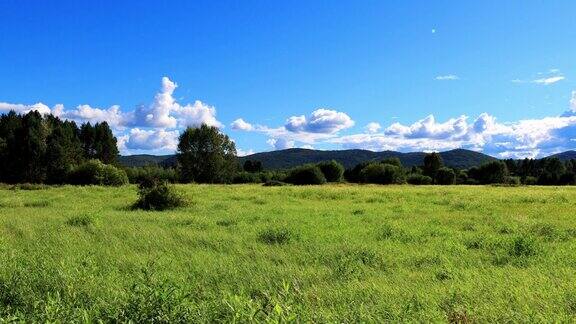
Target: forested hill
284, 159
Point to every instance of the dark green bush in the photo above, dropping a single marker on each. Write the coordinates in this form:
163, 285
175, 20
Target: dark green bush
306, 175
445, 176
513, 181
154, 194
247, 177
419, 179
332, 170
392, 161
530, 181
382, 174
94, 172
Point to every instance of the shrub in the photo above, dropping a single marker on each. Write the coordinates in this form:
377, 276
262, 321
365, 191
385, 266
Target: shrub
332, 170
513, 181
306, 175
246, 177
567, 178
530, 181
154, 194
491, 172
94, 172
419, 179
138, 174
382, 174
445, 176
353, 175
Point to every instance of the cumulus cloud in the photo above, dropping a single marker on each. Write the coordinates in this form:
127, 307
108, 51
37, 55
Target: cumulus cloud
372, 127
324, 121
320, 125
448, 77
150, 140
165, 112
20, 108
280, 143
240, 124
85, 113
147, 127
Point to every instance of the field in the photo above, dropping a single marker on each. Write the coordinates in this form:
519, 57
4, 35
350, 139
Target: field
341, 253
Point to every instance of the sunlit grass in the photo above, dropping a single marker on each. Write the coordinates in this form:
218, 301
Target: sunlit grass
341, 253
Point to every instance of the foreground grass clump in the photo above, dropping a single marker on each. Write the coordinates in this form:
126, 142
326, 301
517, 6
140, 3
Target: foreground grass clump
249, 253
154, 194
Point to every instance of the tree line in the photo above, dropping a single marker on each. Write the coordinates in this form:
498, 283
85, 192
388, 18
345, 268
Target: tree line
37, 148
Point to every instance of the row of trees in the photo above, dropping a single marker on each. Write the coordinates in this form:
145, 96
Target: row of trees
45, 149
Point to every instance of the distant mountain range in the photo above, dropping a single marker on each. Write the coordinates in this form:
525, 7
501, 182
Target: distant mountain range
564, 156
285, 159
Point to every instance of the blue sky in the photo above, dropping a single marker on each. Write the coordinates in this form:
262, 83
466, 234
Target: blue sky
315, 74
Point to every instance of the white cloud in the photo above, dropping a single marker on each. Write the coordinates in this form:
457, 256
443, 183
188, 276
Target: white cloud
153, 127
165, 112
550, 77
241, 152
280, 143
150, 140
84, 113
323, 121
240, 124
549, 80
448, 77
372, 127
19, 108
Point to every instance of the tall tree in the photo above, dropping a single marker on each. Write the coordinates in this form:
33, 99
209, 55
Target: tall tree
31, 148
105, 144
432, 163
64, 151
206, 156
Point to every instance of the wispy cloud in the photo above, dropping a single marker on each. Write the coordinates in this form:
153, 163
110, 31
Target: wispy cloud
448, 77
549, 80
551, 77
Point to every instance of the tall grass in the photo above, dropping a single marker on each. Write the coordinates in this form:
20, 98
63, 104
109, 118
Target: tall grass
248, 253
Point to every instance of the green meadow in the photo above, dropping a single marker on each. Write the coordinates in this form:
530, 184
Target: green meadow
334, 253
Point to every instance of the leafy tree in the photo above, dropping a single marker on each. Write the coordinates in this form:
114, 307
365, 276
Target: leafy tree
30, 149
105, 144
332, 170
419, 179
392, 161
491, 172
353, 175
382, 174
252, 166
63, 152
432, 163
445, 176
306, 175
206, 156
